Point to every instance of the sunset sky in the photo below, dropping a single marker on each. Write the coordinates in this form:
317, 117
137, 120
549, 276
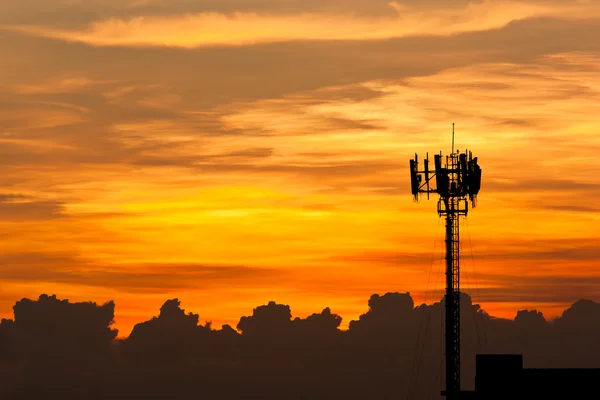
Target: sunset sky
232, 152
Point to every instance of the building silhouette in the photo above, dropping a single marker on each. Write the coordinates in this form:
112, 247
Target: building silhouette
502, 376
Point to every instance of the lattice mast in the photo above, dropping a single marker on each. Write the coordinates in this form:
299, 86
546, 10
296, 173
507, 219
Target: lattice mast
457, 181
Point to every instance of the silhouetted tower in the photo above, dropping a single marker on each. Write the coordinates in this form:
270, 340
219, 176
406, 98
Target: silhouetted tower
458, 179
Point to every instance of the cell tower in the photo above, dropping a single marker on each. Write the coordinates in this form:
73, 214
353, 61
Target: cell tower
457, 181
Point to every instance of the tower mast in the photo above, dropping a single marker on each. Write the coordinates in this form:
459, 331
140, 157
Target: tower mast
458, 180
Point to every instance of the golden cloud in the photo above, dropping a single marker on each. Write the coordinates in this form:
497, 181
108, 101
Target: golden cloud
216, 29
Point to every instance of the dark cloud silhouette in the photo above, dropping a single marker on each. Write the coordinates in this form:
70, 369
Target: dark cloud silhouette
169, 336
7, 340
272, 319
63, 348
393, 350
321, 325
384, 311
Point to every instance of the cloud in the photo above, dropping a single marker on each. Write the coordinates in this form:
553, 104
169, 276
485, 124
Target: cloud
16, 208
139, 278
577, 253
78, 13
542, 185
114, 124
540, 252
568, 207
534, 288
156, 152
284, 68
245, 28
406, 260
66, 84
20, 260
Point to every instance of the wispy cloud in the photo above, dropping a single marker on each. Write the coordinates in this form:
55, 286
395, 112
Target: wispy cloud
144, 144
243, 28
22, 208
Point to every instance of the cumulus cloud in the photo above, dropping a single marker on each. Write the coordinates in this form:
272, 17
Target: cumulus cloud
395, 346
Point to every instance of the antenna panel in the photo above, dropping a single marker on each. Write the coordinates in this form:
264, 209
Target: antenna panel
414, 178
475, 178
464, 174
441, 176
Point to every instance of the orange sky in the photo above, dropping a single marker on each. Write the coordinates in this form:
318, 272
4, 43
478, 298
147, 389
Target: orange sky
229, 153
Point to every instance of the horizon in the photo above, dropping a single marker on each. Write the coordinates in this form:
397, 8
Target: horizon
58, 348
233, 153
344, 324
